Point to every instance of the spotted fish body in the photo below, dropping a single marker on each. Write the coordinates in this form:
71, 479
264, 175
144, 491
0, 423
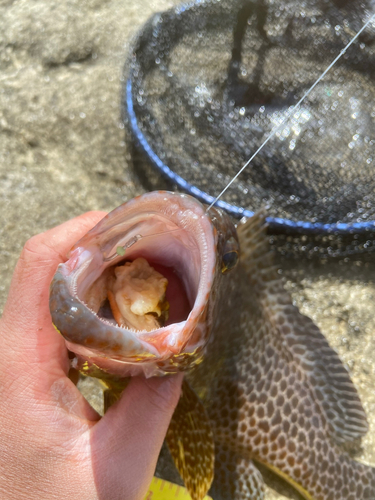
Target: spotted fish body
275, 392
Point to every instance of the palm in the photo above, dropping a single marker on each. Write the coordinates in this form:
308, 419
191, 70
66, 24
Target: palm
53, 444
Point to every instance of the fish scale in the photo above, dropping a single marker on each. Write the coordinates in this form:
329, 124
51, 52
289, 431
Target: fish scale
278, 394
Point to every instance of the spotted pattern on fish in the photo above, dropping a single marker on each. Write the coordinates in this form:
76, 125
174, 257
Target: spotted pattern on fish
190, 441
236, 476
275, 391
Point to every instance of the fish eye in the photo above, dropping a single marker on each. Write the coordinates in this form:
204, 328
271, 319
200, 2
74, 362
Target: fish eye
230, 255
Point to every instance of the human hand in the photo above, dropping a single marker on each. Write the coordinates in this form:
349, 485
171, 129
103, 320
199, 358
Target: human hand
53, 445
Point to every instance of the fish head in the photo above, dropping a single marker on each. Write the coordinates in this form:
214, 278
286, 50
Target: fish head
191, 248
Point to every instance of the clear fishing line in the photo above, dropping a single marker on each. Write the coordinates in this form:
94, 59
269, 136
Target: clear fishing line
122, 249
292, 110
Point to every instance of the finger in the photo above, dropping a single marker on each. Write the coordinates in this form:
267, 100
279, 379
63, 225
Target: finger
129, 437
29, 335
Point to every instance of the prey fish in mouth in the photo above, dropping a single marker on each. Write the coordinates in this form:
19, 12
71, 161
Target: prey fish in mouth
159, 286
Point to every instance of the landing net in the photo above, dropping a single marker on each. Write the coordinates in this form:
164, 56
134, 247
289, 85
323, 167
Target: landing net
208, 81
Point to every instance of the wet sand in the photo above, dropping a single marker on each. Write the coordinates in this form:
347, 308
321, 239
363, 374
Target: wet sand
63, 152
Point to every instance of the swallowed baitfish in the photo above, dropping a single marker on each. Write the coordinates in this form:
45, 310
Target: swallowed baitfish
160, 286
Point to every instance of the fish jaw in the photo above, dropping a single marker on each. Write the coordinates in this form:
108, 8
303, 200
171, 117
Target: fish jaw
167, 229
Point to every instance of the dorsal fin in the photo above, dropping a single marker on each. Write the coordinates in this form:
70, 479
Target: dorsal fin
328, 378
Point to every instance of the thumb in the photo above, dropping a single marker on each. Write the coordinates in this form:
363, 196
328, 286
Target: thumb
126, 443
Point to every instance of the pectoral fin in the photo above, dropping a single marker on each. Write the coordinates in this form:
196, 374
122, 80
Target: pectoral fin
114, 386
110, 398
190, 441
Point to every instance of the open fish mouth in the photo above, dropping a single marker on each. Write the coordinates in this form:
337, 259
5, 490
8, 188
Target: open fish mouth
167, 238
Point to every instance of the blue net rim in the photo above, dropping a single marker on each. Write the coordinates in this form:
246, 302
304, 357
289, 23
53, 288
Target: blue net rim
276, 224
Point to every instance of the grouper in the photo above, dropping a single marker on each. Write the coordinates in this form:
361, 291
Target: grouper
163, 285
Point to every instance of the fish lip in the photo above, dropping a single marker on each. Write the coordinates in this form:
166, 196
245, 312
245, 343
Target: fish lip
188, 215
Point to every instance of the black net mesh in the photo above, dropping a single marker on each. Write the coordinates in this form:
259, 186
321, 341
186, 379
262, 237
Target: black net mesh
208, 81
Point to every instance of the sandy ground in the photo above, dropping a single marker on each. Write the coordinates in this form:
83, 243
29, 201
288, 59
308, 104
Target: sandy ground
63, 152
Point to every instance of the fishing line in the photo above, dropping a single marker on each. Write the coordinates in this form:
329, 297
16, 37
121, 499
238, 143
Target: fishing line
121, 249
292, 110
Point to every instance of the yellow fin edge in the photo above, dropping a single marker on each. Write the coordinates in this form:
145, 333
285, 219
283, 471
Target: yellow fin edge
305, 494
164, 490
